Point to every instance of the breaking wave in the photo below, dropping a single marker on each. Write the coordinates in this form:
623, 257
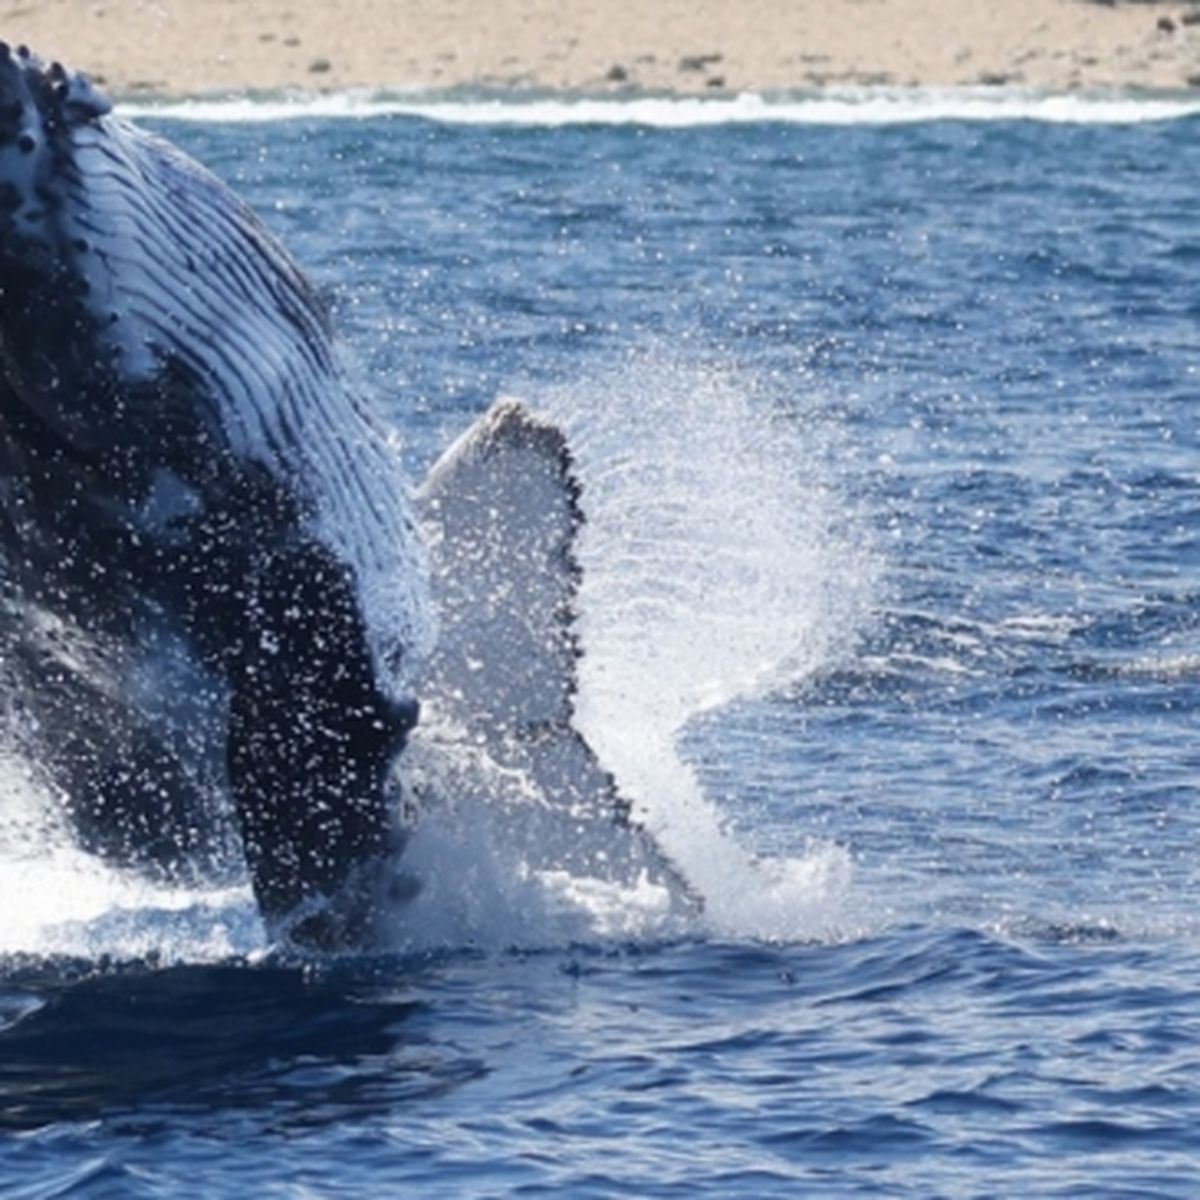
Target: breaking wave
851, 106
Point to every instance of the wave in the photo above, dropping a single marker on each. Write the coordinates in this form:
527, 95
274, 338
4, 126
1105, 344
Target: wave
851, 106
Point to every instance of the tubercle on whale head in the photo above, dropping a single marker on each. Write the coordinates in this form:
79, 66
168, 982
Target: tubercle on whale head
41, 106
44, 107
62, 97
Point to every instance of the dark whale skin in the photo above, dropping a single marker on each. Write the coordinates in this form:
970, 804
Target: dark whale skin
209, 579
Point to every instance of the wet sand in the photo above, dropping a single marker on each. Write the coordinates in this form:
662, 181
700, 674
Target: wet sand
191, 47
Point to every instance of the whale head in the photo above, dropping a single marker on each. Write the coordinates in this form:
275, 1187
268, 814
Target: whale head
54, 367
142, 305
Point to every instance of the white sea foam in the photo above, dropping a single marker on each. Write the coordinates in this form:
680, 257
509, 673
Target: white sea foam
851, 106
55, 899
498, 867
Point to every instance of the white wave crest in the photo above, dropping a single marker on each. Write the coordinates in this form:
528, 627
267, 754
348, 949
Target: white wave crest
850, 106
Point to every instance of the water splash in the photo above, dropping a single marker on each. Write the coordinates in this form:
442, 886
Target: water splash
498, 868
57, 900
719, 559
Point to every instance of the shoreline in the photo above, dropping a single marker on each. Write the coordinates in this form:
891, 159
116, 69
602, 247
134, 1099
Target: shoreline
138, 49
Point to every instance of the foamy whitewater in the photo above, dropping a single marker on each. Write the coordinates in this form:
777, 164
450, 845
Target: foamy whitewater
719, 558
850, 106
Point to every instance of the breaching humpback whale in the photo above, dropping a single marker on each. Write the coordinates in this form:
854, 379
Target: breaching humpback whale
214, 581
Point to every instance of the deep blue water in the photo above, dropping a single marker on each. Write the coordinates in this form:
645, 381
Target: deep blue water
990, 330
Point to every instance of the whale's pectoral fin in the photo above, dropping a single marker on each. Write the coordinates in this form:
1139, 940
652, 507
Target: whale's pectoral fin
501, 511
311, 736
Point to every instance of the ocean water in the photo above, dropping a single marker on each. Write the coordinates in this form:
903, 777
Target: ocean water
885, 412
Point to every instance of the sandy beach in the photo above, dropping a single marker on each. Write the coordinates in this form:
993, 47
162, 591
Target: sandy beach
190, 47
